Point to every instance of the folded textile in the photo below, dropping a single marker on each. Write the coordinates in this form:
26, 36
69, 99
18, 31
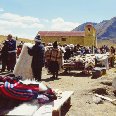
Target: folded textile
15, 89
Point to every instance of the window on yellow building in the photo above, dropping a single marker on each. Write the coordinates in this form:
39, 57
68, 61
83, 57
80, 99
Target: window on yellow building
63, 39
88, 29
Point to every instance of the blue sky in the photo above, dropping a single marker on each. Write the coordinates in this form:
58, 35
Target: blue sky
24, 18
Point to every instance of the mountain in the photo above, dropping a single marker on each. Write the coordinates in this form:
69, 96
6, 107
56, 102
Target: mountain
105, 29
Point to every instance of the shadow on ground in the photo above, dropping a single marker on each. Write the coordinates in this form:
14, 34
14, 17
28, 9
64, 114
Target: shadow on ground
65, 109
74, 74
50, 79
7, 104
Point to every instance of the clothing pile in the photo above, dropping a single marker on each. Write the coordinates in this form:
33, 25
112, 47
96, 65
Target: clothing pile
88, 61
15, 88
103, 59
69, 63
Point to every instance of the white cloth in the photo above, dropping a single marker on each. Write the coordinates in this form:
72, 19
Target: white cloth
89, 62
23, 65
103, 58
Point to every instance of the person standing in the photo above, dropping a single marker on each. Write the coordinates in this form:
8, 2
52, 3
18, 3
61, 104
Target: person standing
11, 47
67, 54
37, 53
4, 57
112, 56
55, 60
48, 56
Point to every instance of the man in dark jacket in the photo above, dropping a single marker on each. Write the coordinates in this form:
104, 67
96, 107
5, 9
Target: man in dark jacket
37, 52
4, 57
11, 47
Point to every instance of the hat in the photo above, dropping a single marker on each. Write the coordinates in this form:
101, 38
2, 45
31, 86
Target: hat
37, 38
10, 35
55, 44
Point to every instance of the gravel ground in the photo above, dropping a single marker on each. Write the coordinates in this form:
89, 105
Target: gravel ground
82, 103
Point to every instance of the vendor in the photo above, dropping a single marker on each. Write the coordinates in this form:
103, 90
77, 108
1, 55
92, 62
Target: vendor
37, 52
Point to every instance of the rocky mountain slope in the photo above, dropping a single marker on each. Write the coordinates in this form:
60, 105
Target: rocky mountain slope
105, 29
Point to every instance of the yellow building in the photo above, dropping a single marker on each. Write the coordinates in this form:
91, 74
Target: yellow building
85, 38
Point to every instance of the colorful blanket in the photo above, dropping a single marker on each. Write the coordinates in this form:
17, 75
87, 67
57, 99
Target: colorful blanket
14, 89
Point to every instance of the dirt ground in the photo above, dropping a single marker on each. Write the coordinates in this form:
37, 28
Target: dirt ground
84, 87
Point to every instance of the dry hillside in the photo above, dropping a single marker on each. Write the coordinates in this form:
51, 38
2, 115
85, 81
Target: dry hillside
2, 38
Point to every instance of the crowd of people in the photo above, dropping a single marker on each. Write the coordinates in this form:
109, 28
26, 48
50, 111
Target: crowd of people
51, 55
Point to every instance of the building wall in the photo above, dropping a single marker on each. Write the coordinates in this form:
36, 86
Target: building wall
64, 40
90, 36
85, 41
88, 40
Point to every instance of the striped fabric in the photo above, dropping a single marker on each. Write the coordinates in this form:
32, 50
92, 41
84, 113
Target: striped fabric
56, 54
19, 91
47, 54
16, 90
53, 54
